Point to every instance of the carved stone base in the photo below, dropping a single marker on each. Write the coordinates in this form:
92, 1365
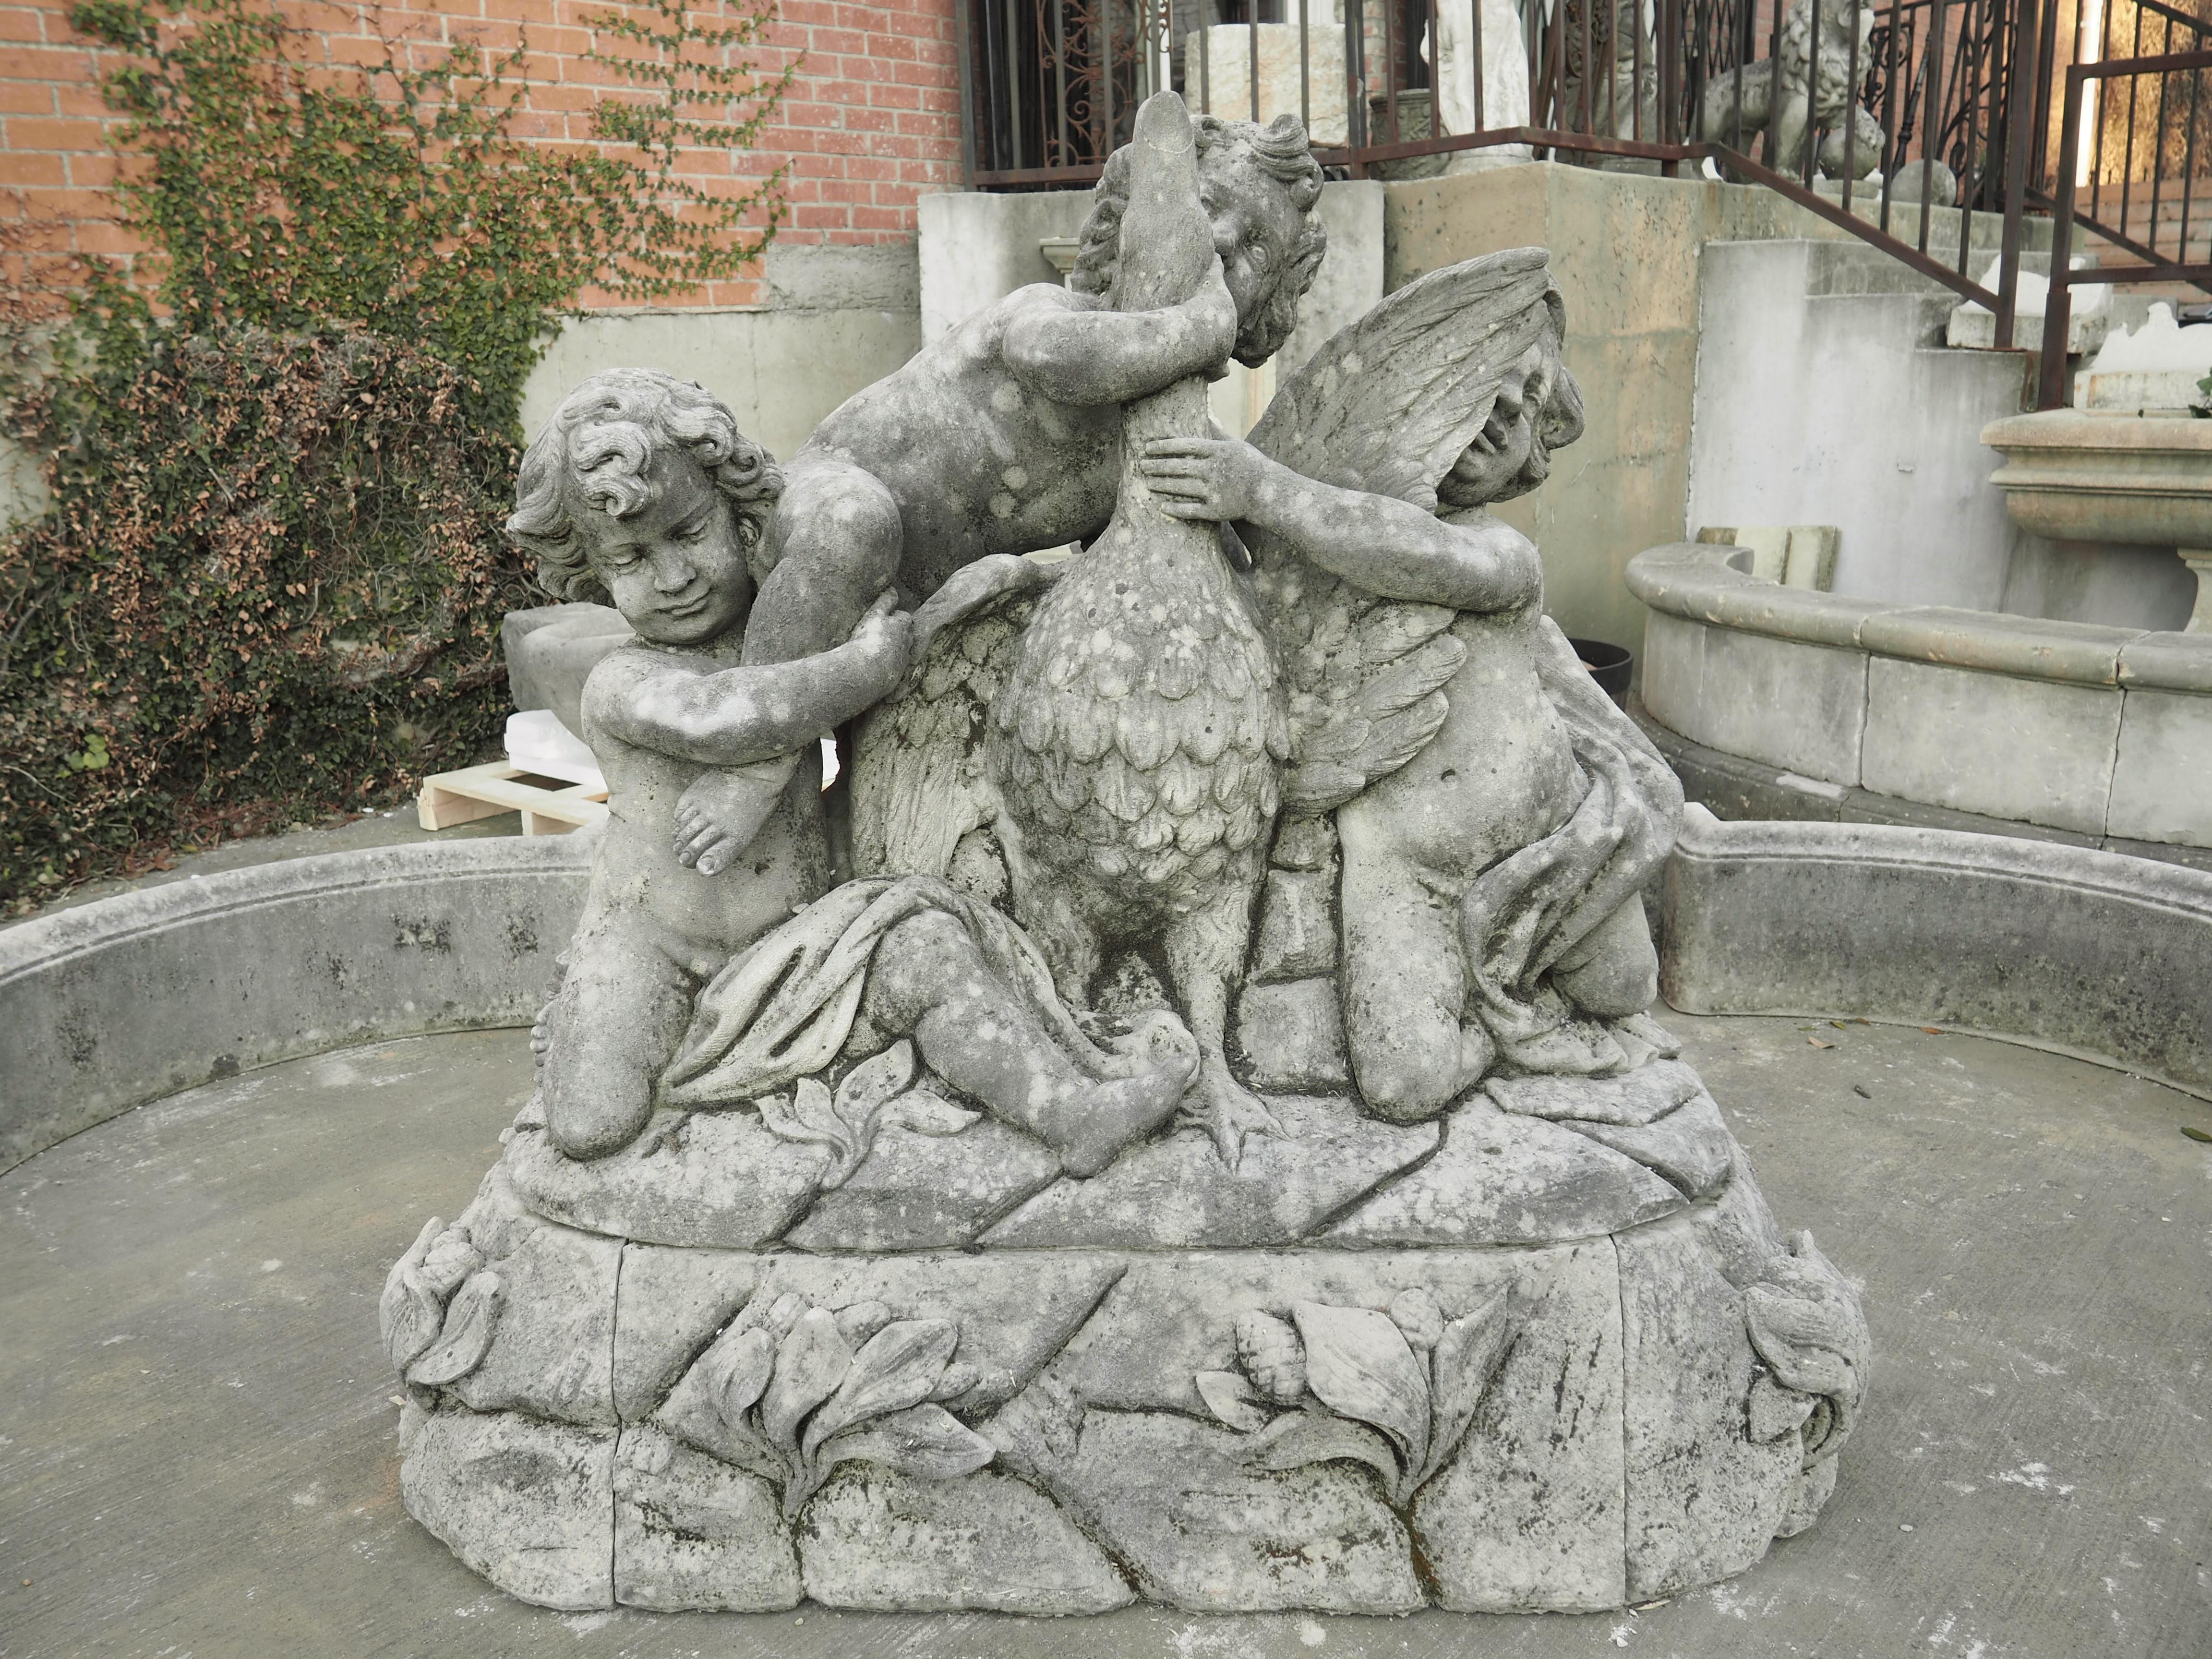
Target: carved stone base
1423, 1409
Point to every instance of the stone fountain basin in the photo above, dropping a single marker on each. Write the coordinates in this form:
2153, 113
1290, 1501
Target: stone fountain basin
2145, 481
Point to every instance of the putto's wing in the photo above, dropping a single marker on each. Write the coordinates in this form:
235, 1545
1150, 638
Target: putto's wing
1389, 403
918, 779
1364, 675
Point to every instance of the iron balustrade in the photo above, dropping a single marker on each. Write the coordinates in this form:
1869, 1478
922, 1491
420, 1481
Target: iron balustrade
2158, 126
1943, 90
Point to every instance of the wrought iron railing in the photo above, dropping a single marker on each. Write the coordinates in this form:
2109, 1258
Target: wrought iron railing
2138, 132
1924, 114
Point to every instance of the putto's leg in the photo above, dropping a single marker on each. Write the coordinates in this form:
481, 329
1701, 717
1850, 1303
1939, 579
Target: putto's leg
1614, 972
1405, 985
610, 1032
928, 978
836, 540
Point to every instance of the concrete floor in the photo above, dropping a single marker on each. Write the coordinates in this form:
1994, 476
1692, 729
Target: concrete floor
198, 1431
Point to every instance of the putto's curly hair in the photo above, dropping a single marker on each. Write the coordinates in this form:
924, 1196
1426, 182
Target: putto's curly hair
1233, 156
598, 448
1560, 422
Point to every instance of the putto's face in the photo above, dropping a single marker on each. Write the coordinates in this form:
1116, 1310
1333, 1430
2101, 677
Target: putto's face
676, 568
1256, 230
1490, 467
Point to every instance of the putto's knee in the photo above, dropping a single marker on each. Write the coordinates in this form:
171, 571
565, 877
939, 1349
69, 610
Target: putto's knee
1407, 1085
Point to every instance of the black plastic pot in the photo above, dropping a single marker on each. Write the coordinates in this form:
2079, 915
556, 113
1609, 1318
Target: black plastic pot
1609, 664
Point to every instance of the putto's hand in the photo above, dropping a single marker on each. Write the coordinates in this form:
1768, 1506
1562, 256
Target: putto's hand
1207, 478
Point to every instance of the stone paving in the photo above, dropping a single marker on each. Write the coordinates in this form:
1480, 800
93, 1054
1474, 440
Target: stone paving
199, 1456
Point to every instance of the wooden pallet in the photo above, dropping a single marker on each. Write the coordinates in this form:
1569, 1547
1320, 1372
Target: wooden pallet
549, 807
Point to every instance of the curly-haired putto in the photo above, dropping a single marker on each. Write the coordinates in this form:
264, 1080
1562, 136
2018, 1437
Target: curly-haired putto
1234, 157
598, 448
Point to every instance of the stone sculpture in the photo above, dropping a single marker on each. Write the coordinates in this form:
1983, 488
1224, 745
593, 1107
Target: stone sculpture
1016, 1222
1805, 103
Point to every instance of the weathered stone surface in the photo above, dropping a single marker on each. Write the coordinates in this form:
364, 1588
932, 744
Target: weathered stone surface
1501, 1179
1703, 1500
1172, 1498
1650, 1091
1013, 1315
668, 1305
1177, 1192
1691, 1146
1291, 1035
1528, 1515
1174, 1315
529, 1504
1296, 938
1737, 1228
876, 1538
714, 1178
918, 1192
552, 1349
690, 1532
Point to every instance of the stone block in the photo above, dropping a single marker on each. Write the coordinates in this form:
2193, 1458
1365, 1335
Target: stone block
692, 1533
714, 1178
877, 1539
1989, 743
1503, 1179
1298, 926
1173, 1315
1528, 1515
2162, 782
916, 1192
527, 1503
551, 1350
1801, 708
669, 1304
1291, 1035
1008, 1334
1176, 1503
1176, 1193
2031, 648
1703, 1500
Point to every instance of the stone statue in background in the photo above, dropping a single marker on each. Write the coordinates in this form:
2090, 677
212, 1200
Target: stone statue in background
1806, 101
922, 1239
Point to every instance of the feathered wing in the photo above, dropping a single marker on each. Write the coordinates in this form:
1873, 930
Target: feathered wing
1386, 406
1389, 403
919, 781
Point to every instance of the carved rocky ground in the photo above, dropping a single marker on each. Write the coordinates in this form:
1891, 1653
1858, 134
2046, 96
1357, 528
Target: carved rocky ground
1551, 1353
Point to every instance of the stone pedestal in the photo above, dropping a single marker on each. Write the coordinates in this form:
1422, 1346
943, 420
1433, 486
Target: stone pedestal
1514, 1361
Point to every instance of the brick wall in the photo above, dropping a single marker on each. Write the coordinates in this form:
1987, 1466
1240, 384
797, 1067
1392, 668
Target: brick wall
870, 124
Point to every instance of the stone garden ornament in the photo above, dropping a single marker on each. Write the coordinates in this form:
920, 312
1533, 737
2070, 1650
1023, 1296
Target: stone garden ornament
1180, 1121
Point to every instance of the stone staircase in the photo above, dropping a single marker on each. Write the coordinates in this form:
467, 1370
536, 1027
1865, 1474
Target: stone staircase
1825, 395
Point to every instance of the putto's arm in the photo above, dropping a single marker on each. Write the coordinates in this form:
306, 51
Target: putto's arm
740, 716
1389, 547
1090, 357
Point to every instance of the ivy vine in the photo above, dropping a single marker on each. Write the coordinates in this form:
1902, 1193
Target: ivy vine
279, 448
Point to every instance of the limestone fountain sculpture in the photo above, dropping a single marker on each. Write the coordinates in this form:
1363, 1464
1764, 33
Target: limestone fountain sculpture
1180, 1121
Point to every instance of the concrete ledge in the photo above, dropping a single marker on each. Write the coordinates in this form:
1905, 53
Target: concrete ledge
2104, 731
2083, 951
121, 1001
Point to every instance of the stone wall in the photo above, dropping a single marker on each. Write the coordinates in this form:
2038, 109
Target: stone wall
2101, 736
871, 122
1625, 249
837, 319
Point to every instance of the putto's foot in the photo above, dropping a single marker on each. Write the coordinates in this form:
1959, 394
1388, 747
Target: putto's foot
1121, 1110
718, 816
1228, 1111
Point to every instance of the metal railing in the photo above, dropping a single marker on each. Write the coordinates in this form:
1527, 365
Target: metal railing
2135, 170
1888, 104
